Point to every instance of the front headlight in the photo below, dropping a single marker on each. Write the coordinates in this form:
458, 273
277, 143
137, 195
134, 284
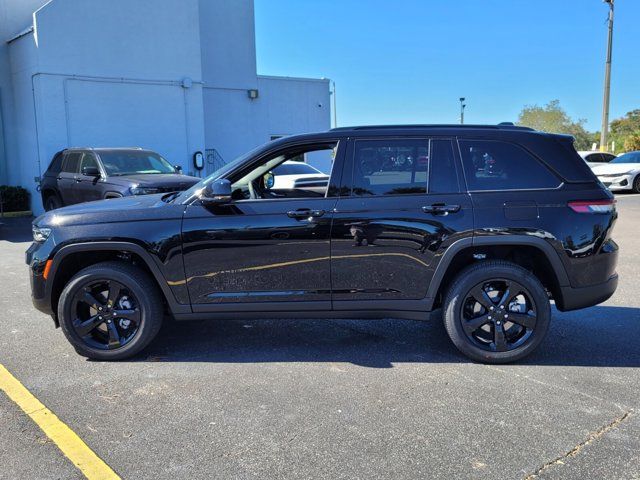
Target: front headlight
143, 190
40, 234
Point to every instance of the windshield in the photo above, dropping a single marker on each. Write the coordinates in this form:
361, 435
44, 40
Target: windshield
631, 157
129, 162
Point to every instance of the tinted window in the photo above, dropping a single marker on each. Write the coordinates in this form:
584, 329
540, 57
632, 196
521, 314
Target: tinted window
608, 157
88, 160
56, 163
443, 177
71, 162
594, 157
390, 167
495, 165
291, 168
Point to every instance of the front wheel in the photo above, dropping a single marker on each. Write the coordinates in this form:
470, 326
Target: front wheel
636, 184
496, 312
110, 311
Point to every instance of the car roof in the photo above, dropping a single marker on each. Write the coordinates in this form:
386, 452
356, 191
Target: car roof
107, 149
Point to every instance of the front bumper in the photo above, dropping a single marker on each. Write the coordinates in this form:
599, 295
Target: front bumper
583, 297
620, 182
39, 295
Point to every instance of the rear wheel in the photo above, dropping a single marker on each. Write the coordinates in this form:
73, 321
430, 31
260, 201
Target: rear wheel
496, 312
110, 311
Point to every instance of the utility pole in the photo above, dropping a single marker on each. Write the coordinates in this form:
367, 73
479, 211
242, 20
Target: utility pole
335, 106
607, 83
462, 106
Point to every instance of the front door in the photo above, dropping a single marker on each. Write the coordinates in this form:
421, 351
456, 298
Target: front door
87, 188
269, 249
402, 206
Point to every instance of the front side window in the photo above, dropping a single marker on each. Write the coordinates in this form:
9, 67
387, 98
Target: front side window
71, 162
88, 160
497, 165
281, 175
390, 167
130, 162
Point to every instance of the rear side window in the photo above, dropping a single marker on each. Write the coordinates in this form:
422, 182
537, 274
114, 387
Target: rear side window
497, 165
71, 161
56, 163
390, 167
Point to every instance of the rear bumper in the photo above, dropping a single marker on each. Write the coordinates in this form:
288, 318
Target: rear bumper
576, 298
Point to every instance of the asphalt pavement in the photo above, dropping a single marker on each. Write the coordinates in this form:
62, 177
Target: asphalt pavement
331, 399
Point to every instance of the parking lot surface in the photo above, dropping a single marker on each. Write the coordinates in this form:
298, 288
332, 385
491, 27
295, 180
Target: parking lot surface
330, 398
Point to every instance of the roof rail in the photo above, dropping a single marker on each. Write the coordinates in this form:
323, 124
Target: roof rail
500, 126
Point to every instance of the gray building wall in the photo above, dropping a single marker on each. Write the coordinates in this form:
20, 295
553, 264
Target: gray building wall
170, 75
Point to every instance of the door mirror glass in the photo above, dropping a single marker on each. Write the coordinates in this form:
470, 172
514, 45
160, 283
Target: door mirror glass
217, 193
269, 180
91, 171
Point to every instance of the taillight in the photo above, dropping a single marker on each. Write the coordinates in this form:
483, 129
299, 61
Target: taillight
593, 206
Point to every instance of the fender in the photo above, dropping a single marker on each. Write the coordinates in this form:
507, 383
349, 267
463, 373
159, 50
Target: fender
174, 306
497, 240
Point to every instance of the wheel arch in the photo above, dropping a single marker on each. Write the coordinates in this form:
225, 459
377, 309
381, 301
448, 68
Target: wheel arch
533, 253
72, 258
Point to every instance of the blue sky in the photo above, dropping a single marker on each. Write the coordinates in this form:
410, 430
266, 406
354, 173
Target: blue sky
408, 61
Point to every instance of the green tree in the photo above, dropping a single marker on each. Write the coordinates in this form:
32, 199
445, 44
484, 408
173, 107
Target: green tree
552, 118
625, 131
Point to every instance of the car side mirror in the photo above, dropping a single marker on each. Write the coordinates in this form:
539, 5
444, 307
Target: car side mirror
178, 168
91, 171
217, 193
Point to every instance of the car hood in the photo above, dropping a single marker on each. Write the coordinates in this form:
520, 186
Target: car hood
612, 168
173, 180
115, 210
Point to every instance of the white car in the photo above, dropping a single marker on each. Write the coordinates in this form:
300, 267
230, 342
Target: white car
594, 157
299, 175
621, 173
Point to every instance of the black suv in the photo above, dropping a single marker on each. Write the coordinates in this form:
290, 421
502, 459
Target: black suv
78, 175
486, 224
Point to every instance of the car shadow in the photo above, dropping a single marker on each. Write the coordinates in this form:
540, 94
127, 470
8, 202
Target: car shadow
603, 336
16, 230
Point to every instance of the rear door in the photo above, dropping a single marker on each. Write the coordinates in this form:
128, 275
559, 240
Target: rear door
68, 176
401, 206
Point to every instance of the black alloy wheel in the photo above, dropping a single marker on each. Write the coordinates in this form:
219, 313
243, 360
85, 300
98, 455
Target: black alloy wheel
110, 311
107, 314
496, 311
498, 315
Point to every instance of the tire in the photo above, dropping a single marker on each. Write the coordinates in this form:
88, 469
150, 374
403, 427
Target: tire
52, 202
462, 312
143, 307
636, 184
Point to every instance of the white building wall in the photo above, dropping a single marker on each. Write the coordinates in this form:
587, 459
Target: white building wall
15, 16
170, 75
127, 74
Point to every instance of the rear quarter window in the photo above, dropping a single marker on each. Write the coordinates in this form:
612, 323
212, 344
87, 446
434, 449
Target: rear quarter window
498, 165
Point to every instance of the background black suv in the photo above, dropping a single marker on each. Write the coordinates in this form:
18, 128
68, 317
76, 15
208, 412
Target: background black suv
485, 223
78, 175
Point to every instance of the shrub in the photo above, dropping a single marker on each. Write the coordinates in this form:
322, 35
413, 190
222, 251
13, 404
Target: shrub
14, 199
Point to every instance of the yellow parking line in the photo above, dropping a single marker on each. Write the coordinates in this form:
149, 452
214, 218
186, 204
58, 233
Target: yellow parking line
72, 446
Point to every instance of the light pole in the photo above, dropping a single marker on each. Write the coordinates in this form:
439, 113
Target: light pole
607, 83
462, 106
335, 106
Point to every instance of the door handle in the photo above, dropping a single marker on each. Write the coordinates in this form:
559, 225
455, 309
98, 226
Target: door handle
441, 209
305, 213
